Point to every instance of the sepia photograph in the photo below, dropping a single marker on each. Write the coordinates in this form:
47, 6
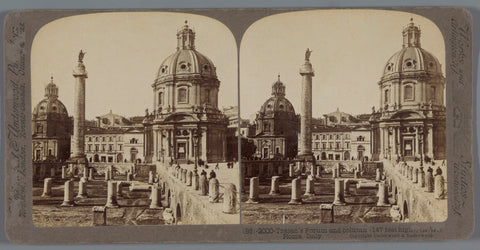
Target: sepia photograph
347, 123
239, 125
134, 121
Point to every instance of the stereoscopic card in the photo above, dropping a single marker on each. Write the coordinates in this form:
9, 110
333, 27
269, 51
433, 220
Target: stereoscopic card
235, 125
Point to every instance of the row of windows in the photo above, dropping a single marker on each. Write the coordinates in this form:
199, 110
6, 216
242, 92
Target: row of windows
338, 137
103, 147
409, 93
103, 138
182, 96
332, 136
330, 145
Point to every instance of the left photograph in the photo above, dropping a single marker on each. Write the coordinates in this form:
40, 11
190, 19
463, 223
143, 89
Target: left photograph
134, 121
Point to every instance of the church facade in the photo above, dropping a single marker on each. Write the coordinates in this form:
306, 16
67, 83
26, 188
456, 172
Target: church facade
186, 124
410, 123
277, 126
51, 128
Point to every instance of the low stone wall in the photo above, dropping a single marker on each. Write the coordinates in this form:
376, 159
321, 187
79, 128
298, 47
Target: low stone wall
43, 170
189, 207
263, 168
101, 167
413, 202
370, 167
346, 166
143, 169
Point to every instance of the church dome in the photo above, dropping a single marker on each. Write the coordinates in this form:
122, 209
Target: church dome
51, 104
278, 102
186, 60
412, 58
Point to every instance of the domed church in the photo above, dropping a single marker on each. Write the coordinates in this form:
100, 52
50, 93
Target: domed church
51, 127
277, 126
410, 123
186, 122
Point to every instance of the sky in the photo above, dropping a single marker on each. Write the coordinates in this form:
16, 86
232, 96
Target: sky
350, 50
123, 54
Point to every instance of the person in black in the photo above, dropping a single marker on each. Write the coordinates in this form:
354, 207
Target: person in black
212, 175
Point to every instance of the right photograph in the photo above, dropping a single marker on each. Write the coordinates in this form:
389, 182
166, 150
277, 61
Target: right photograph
343, 118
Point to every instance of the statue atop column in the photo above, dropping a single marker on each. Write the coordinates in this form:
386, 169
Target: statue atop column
307, 54
81, 55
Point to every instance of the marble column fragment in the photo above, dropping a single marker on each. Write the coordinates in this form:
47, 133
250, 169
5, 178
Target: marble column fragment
90, 174
64, 172
203, 185
189, 178
156, 197
429, 181
339, 198
310, 186
47, 187
112, 195
421, 177
68, 195
296, 192
253, 194
213, 190
150, 177
230, 199
195, 180
119, 189
415, 175
378, 175
82, 188
275, 186
382, 194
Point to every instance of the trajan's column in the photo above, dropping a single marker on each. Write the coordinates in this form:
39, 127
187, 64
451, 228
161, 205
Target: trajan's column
305, 141
78, 140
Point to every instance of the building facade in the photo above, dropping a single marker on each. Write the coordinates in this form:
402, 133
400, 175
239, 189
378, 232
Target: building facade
277, 126
186, 124
410, 123
342, 136
114, 145
331, 143
51, 128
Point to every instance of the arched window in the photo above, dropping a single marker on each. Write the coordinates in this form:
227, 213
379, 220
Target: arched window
160, 98
387, 96
408, 93
182, 95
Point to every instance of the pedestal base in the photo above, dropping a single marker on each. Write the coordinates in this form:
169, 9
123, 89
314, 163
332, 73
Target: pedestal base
295, 202
67, 204
252, 201
79, 163
307, 158
339, 203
